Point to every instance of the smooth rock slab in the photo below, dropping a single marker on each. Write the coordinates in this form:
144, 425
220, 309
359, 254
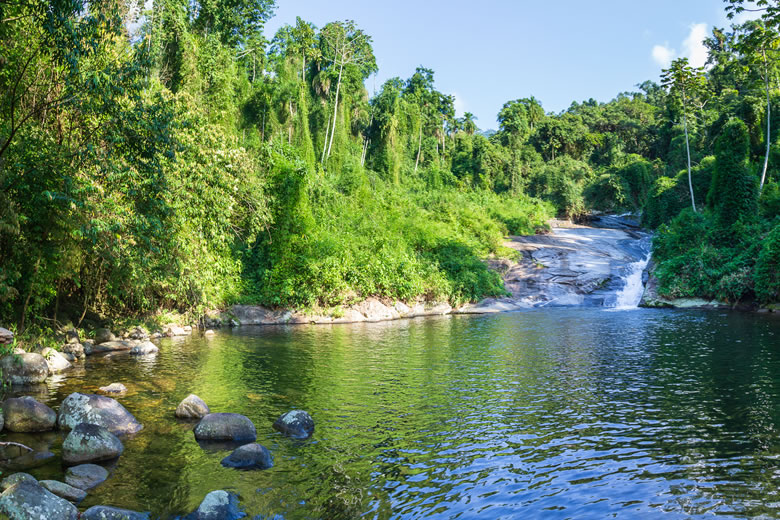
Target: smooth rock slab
96, 409
112, 513
217, 505
25, 414
27, 368
56, 361
147, 348
62, 490
86, 476
249, 456
296, 424
30, 501
225, 427
192, 407
90, 443
117, 389
112, 346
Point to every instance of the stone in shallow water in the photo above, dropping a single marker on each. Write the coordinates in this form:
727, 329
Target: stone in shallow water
112, 513
249, 456
90, 443
192, 407
86, 476
225, 427
25, 414
96, 409
147, 348
26, 368
113, 389
296, 424
30, 501
217, 505
103, 336
56, 361
62, 490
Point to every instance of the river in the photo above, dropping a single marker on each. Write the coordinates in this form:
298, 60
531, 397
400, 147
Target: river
551, 412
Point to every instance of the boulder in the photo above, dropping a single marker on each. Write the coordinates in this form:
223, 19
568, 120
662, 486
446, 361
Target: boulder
96, 409
24, 369
6, 336
90, 443
25, 414
209, 333
86, 476
112, 513
30, 501
89, 348
56, 361
249, 456
192, 407
15, 479
103, 336
146, 348
296, 424
173, 330
225, 427
63, 490
112, 346
72, 336
139, 333
117, 389
74, 349
217, 505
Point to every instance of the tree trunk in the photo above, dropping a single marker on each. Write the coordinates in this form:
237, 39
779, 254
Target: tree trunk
419, 149
325, 144
336, 106
303, 69
768, 124
688, 151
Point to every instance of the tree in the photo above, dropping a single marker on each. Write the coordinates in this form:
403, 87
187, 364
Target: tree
468, 124
686, 82
734, 193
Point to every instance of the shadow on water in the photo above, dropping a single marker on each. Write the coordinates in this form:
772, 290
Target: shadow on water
565, 413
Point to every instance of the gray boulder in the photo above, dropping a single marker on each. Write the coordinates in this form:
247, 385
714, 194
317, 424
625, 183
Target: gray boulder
217, 505
103, 335
56, 361
112, 346
25, 414
89, 347
62, 490
113, 389
225, 427
296, 424
139, 333
90, 443
192, 407
112, 513
74, 349
72, 336
147, 348
249, 456
96, 409
86, 476
28, 368
30, 501
15, 479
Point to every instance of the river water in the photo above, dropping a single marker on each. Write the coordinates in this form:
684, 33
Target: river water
554, 413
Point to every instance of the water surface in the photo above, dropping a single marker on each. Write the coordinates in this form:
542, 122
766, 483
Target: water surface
560, 413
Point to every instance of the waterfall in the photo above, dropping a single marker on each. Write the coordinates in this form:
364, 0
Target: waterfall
631, 294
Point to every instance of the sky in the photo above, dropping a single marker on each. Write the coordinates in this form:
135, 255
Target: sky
488, 52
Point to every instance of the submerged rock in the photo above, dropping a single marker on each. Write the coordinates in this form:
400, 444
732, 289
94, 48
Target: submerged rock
25, 414
249, 456
90, 443
30, 501
103, 336
117, 389
296, 424
146, 348
225, 427
96, 409
217, 505
86, 476
27, 368
192, 407
62, 490
56, 361
112, 513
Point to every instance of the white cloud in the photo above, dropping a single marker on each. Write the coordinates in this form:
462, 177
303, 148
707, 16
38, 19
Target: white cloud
460, 105
663, 55
693, 46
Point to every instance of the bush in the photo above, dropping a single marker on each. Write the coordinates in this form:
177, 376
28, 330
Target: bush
734, 190
767, 271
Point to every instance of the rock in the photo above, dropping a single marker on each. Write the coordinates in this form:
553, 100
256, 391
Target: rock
74, 349
72, 336
15, 479
112, 346
146, 348
90, 443
157, 335
62, 490
56, 361
25, 414
70, 357
6, 336
112, 513
173, 330
225, 427
296, 424
187, 329
374, 310
139, 333
117, 389
96, 409
103, 336
86, 476
249, 456
24, 369
2, 420
89, 348
30, 501
217, 505
209, 333
192, 407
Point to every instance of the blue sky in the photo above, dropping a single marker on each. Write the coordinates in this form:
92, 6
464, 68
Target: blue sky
490, 51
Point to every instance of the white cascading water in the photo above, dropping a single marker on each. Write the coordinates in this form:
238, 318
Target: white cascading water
631, 294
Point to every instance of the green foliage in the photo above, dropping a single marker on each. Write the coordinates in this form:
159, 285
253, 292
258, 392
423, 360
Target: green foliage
767, 271
734, 190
